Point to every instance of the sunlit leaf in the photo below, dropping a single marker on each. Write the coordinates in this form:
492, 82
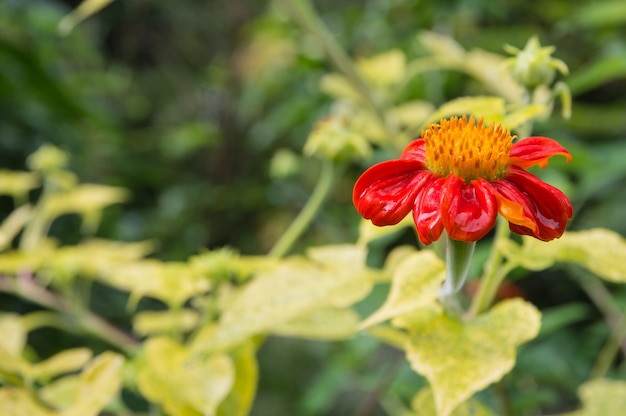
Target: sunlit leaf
601, 397
491, 108
17, 183
94, 258
321, 324
239, 400
83, 198
62, 362
171, 282
82, 12
20, 402
13, 333
412, 114
155, 322
337, 277
61, 392
415, 284
13, 224
369, 232
98, 384
184, 383
423, 404
460, 358
338, 86
599, 250
484, 66
383, 70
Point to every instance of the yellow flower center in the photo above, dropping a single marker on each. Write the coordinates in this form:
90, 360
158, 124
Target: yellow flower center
467, 149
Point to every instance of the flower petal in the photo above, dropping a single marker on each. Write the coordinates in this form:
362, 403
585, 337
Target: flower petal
536, 151
544, 205
415, 151
514, 206
469, 210
385, 193
427, 211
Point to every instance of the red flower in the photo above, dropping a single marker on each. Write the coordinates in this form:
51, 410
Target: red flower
458, 176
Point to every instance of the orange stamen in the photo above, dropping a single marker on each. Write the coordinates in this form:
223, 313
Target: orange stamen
467, 149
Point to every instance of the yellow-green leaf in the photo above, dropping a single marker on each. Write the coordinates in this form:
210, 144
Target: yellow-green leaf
321, 324
13, 224
20, 402
491, 108
60, 393
154, 322
171, 282
599, 250
460, 358
12, 342
412, 114
423, 404
338, 86
240, 399
83, 198
337, 277
369, 232
182, 382
98, 384
415, 284
62, 362
383, 70
17, 183
601, 397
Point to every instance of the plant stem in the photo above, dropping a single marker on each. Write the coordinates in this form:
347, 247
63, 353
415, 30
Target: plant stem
304, 14
458, 260
613, 315
304, 218
26, 288
494, 273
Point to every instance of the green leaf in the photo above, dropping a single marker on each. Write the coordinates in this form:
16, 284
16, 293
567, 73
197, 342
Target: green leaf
460, 358
415, 284
239, 400
601, 397
182, 382
321, 324
20, 402
98, 384
336, 278
423, 404
599, 250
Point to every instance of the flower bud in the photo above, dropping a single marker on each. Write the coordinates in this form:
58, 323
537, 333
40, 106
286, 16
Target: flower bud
534, 65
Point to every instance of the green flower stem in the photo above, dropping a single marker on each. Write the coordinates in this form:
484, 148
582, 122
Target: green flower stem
26, 288
308, 213
304, 14
458, 260
613, 315
495, 271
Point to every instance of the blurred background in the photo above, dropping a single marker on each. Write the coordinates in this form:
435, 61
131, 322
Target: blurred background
201, 110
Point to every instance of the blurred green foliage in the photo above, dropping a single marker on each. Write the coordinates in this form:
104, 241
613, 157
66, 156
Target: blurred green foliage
201, 110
